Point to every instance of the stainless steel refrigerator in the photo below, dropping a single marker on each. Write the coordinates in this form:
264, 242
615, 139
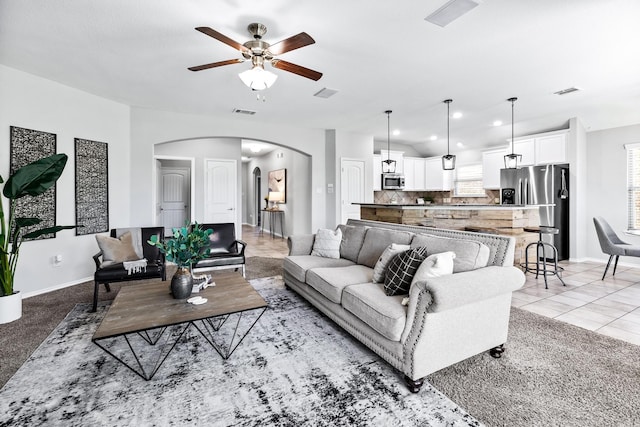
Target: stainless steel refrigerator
542, 185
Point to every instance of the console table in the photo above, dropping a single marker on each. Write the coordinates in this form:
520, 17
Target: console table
275, 216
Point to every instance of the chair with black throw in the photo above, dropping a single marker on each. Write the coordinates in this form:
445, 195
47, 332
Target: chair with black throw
612, 245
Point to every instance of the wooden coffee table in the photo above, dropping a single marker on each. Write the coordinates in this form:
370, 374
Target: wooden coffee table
142, 314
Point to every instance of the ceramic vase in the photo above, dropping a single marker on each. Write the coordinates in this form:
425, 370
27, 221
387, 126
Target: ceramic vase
10, 308
181, 283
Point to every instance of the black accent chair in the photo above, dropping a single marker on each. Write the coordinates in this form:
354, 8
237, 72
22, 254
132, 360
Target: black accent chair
226, 250
156, 265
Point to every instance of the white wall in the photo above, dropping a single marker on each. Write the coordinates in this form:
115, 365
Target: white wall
299, 191
35, 103
150, 127
607, 185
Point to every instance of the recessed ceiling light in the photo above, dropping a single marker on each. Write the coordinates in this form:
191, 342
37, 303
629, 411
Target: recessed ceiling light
460, 145
456, 115
245, 158
433, 137
255, 148
396, 132
497, 123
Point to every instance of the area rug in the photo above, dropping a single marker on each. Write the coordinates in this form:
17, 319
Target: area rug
258, 266
294, 368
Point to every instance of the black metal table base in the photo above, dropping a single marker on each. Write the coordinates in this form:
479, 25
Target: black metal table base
149, 338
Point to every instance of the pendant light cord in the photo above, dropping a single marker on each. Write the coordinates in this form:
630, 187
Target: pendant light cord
513, 100
448, 102
388, 134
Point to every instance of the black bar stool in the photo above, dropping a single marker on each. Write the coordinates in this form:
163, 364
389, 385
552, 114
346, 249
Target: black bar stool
541, 259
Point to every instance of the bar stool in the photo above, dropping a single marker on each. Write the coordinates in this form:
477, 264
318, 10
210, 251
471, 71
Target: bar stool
541, 259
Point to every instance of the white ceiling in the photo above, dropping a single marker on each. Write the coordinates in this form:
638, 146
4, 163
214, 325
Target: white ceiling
378, 55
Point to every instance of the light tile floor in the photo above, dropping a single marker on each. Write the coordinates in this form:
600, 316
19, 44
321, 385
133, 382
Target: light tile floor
609, 307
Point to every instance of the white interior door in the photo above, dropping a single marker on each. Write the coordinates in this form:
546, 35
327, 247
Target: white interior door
221, 191
175, 194
351, 188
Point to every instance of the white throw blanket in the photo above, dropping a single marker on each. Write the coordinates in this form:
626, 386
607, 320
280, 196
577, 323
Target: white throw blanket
137, 266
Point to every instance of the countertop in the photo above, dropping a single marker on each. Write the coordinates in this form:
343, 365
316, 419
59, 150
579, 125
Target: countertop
460, 206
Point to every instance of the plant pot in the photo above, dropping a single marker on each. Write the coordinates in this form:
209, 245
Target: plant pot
181, 283
10, 308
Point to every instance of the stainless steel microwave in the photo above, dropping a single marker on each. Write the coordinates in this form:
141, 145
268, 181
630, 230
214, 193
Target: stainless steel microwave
392, 181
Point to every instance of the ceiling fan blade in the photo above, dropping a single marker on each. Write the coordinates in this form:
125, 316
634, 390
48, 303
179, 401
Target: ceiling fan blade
221, 37
216, 64
296, 69
292, 43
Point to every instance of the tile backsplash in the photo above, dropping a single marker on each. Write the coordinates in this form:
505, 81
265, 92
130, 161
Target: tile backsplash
438, 197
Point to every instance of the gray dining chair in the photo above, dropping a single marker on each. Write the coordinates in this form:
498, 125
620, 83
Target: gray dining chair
611, 244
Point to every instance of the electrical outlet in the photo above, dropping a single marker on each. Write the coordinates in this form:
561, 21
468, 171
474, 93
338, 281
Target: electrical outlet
57, 260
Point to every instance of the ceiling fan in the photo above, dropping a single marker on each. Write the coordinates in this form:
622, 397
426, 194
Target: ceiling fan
259, 52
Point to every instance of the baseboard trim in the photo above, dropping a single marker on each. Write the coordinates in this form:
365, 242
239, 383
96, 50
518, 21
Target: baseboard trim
56, 287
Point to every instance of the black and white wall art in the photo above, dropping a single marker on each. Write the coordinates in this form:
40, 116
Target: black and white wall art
92, 186
28, 145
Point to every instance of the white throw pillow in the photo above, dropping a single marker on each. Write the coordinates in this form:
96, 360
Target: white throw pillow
435, 265
327, 243
380, 269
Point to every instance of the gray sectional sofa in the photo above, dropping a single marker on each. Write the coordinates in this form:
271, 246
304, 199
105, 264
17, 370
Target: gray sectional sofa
447, 318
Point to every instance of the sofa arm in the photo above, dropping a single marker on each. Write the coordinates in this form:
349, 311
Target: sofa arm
458, 289
301, 244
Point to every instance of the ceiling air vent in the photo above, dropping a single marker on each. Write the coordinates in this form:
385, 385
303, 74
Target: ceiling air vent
566, 91
325, 93
241, 111
451, 11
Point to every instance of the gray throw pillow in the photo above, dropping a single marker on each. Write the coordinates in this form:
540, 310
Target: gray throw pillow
379, 271
115, 250
401, 271
470, 254
352, 238
327, 243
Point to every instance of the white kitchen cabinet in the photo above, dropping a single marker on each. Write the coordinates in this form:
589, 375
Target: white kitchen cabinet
414, 173
551, 149
526, 148
436, 179
377, 172
492, 162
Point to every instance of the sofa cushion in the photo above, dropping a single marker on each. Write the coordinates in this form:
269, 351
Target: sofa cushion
369, 303
331, 281
470, 254
327, 243
298, 265
380, 269
352, 238
401, 270
376, 241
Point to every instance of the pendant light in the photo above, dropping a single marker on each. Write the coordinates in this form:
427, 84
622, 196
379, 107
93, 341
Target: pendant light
448, 161
388, 166
511, 160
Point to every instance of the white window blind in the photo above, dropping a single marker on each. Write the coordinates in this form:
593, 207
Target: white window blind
633, 186
468, 181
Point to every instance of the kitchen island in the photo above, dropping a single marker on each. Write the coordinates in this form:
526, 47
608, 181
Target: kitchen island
507, 220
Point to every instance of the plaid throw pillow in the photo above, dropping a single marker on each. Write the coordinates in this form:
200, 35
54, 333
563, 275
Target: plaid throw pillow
401, 270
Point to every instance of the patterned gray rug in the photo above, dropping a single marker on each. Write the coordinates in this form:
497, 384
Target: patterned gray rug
294, 368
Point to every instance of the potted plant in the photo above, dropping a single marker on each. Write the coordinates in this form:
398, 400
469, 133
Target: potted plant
187, 246
33, 180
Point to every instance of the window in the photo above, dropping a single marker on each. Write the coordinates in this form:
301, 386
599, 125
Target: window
468, 181
633, 186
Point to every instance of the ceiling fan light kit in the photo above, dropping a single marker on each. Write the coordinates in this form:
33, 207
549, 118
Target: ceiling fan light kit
448, 160
259, 52
512, 160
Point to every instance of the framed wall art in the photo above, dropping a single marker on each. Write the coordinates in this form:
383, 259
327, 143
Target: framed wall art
92, 186
278, 185
26, 146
